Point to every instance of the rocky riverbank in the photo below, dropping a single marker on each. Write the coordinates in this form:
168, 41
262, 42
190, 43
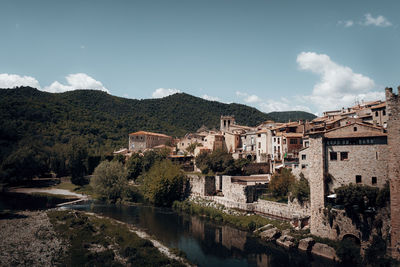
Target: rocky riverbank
28, 239
72, 238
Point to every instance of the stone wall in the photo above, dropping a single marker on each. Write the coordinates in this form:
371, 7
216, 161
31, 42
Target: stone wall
202, 185
316, 158
393, 128
233, 191
365, 160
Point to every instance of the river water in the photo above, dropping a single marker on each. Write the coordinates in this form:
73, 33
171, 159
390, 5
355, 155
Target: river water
205, 243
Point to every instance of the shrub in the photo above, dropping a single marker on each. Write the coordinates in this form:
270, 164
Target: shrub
110, 181
300, 189
348, 252
281, 182
163, 183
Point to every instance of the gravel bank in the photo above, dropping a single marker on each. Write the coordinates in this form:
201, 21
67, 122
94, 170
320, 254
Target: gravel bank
27, 238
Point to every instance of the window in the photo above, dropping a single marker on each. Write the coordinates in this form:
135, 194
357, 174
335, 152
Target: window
293, 141
284, 141
373, 180
376, 113
259, 135
279, 141
355, 129
274, 139
303, 166
333, 155
344, 155
358, 179
259, 144
279, 149
306, 144
303, 157
383, 112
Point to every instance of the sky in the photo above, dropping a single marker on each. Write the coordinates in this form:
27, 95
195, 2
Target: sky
273, 55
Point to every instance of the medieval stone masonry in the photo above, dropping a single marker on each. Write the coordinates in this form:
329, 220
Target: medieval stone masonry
393, 105
355, 145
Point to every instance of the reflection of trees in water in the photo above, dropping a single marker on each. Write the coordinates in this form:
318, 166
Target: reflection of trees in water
221, 241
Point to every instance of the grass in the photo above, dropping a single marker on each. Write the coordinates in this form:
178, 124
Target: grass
245, 222
95, 241
270, 197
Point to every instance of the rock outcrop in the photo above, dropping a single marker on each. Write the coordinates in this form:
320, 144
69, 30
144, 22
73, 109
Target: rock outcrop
286, 241
306, 244
270, 234
325, 251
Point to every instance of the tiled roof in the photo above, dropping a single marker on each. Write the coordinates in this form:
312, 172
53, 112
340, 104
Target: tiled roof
150, 133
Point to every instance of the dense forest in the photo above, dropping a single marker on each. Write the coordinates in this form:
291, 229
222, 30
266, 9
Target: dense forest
32, 121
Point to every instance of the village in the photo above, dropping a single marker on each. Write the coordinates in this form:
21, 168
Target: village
356, 145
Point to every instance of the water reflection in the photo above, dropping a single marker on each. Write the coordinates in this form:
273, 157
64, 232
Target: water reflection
205, 243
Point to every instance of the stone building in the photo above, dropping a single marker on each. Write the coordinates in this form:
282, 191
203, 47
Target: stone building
393, 105
139, 141
356, 153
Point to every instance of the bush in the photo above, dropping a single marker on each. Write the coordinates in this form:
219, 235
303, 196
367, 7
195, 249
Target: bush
348, 252
281, 182
163, 183
110, 181
300, 189
220, 161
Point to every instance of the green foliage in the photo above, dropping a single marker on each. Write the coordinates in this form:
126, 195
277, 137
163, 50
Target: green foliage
24, 163
300, 189
349, 252
249, 223
281, 182
219, 161
34, 120
83, 231
357, 198
163, 183
134, 166
77, 162
110, 181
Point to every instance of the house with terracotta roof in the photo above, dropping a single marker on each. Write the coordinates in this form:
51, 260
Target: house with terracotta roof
140, 141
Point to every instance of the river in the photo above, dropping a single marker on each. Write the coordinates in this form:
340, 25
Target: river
204, 242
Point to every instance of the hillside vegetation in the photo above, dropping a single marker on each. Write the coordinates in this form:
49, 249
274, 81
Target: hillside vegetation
31, 119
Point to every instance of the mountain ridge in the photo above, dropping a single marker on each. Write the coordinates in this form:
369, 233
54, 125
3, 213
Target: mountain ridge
104, 121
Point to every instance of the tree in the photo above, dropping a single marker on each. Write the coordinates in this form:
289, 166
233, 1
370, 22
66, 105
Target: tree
218, 161
77, 163
281, 182
134, 166
110, 181
163, 183
300, 189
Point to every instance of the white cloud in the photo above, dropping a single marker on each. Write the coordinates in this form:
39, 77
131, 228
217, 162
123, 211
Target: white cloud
282, 105
346, 23
211, 98
14, 80
249, 98
163, 92
339, 86
379, 21
76, 81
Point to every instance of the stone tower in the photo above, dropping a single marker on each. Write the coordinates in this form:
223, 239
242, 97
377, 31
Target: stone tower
393, 128
226, 122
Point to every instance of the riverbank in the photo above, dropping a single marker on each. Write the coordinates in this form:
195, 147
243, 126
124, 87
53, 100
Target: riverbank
72, 238
267, 229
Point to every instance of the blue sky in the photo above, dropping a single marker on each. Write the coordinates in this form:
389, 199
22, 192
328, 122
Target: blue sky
273, 55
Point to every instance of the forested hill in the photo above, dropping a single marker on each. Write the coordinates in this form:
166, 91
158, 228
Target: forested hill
102, 121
